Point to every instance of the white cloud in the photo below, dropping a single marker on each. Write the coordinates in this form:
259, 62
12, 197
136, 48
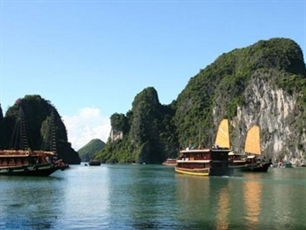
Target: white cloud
88, 124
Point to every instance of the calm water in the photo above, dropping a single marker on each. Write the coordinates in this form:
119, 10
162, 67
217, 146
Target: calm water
153, 197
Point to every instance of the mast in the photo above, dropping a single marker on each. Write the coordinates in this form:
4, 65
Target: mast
200, 134
24, 138
49, 134
53, 134
19, 140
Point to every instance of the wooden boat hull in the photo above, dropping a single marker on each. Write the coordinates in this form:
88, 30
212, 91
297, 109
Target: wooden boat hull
194, 172
35, 170
205, 172
170, 162
258, 167
263, 167
94, 163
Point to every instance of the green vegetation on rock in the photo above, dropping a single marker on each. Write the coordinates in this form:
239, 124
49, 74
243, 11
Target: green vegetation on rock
148, 132
87, 152
152, 132
264, 83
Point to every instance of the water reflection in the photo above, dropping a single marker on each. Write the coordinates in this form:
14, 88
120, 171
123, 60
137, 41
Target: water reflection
143, 198
223, 209
86, 197
204, 201
252, 190
287, 198
153, 197
28, 199
193, 194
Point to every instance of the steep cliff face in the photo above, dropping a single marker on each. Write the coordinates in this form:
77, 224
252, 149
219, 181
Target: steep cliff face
147, 132
274, 99
262, 84
276, 112
147, 127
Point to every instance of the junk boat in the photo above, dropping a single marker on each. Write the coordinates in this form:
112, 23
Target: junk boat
251, 160
94, 163
29, 163
208, 161
25, 162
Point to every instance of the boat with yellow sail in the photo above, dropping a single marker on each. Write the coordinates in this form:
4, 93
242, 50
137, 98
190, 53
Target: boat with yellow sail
207, 161
251, 160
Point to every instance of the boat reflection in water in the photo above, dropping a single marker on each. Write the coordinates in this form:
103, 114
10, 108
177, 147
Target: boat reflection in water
252, 200
194, 191
153, 197
223, 209
221, 202
208, 200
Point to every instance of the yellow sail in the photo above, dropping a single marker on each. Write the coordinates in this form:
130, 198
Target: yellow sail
252, 142
222, 138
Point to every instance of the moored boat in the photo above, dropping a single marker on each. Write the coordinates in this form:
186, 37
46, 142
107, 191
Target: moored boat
22, 161
29, 163
94, 163
170, 162
208, 161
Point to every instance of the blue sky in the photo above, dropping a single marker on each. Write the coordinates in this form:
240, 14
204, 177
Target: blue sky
91, 58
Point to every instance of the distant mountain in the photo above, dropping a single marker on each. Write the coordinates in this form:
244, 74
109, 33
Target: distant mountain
87, 152
263, 84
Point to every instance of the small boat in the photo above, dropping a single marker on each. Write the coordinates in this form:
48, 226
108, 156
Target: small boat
170, 162
251, 160
288, 164
94, 163
208, 161
27, 162
281, 164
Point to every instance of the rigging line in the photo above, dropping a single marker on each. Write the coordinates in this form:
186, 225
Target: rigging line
19, 135
13, 137
49, 135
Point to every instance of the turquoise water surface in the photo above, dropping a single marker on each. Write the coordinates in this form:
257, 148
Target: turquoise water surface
153, 197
